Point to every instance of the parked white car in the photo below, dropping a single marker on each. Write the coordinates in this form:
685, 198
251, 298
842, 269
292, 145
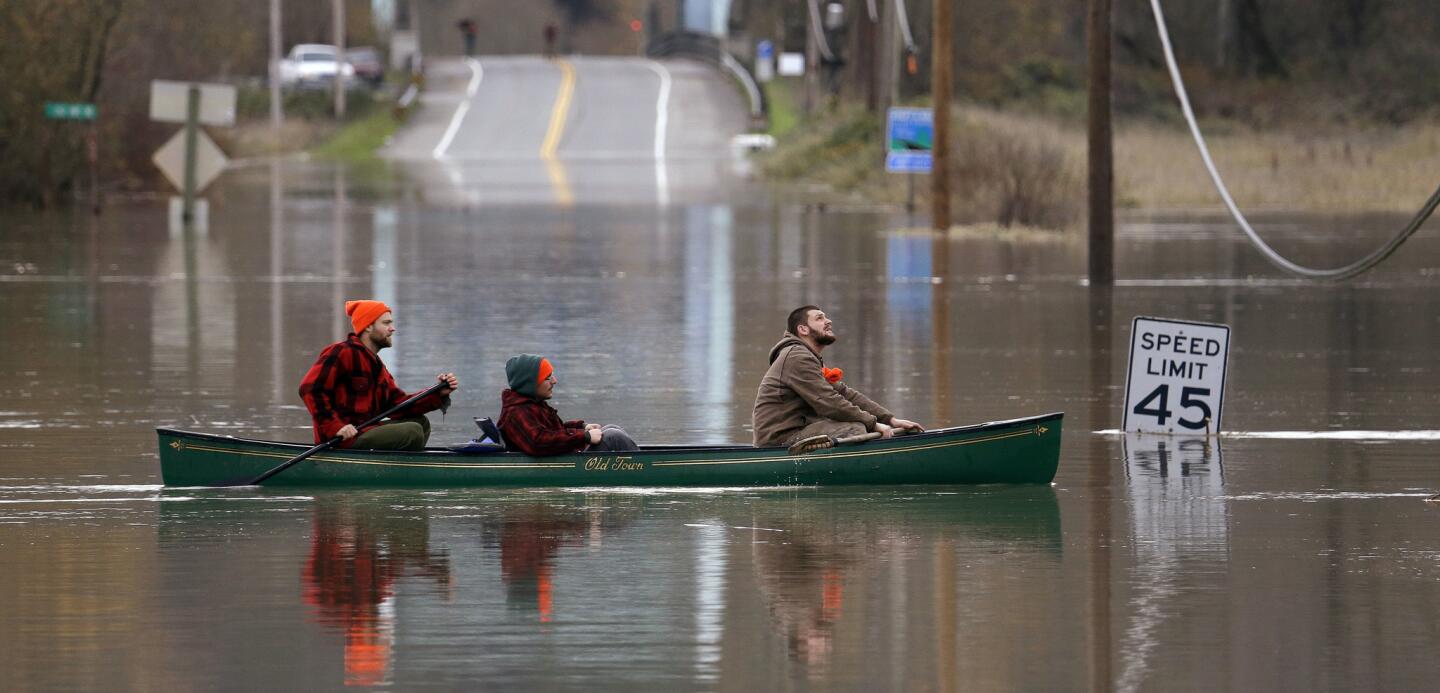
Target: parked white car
313, 66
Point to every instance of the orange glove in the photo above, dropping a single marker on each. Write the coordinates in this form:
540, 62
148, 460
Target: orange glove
832, 374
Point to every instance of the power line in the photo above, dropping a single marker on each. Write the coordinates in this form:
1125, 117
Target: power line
1270, 254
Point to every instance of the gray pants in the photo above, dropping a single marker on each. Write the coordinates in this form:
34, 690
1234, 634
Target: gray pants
400, 434
827, 427
614, 439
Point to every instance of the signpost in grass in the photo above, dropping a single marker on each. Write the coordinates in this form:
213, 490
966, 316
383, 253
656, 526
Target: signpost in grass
84, 112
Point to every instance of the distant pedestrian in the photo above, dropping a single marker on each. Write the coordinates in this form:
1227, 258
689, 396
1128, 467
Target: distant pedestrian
468, 30
550, 34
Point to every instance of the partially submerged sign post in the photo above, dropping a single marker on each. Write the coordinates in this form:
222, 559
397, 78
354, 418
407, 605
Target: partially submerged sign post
190, 159
1176, 378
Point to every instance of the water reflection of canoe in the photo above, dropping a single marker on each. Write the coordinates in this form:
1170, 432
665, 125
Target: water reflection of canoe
1016, 451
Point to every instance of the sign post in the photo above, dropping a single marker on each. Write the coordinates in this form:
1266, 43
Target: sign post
55, 110
190, 159
764, 61
909, 145
1176, 379
192, 126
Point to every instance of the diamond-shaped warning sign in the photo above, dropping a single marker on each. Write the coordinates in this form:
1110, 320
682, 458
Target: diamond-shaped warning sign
209, 160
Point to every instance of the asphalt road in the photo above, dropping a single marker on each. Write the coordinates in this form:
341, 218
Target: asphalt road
572, 130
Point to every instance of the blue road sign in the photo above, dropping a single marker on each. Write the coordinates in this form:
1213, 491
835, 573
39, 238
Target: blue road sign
764, 50
909, 139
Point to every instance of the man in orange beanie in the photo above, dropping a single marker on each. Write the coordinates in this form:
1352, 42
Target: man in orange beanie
533, 427
349, 385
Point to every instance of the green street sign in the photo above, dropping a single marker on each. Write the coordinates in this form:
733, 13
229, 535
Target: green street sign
55, 110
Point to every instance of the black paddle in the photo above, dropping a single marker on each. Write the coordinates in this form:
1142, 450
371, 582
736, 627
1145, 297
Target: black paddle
248, 481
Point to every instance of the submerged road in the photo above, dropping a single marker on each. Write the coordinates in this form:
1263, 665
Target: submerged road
572, 130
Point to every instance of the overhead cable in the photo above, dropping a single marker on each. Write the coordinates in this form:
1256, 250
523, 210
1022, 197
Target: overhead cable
1275, 258
905, 34
819, 31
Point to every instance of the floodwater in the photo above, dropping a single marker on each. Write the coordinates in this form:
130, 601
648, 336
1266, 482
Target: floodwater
1294, 552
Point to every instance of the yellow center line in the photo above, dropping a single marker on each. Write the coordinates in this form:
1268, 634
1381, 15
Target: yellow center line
561, 109
553, 167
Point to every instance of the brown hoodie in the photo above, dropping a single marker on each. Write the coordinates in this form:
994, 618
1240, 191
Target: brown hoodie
794, 394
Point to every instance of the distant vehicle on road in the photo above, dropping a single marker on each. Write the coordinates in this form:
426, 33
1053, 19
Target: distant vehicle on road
368, 68
313, 66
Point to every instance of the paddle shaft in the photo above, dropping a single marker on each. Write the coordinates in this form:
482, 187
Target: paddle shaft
863, 437
333, 441
824, 442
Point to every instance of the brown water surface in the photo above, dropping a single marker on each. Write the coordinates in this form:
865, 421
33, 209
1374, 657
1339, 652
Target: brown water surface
1295, 552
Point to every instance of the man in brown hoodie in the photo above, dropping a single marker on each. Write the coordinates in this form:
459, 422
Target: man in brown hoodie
799, 399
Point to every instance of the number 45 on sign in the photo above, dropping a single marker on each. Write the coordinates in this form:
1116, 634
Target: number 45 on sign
1176, 378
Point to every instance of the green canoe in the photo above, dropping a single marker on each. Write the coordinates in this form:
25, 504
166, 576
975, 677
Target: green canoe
1019, 451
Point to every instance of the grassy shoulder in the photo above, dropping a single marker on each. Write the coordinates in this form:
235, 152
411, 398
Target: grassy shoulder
357, 140
1016, 167
308, 126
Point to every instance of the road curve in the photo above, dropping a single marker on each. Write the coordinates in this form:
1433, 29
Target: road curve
573, 130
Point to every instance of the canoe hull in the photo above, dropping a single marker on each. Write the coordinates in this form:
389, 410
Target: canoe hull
1016, 451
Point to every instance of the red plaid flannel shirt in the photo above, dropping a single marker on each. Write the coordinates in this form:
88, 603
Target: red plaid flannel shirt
349, 385
535, 427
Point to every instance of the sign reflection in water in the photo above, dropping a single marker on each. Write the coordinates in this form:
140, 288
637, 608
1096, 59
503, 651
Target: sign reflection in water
1179, 529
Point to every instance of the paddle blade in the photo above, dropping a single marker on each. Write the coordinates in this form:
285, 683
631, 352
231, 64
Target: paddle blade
237, 482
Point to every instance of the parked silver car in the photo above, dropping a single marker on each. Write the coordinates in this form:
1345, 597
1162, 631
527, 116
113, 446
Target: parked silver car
313, 66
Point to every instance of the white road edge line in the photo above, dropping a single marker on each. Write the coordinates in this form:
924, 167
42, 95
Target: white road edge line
476, 74
662, 123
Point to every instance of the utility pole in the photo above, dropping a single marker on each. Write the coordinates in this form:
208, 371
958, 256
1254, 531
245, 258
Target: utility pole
940, 88
1101, 149
812, 59
1223, 25
338, 8
865, 56
886, 63
277, 116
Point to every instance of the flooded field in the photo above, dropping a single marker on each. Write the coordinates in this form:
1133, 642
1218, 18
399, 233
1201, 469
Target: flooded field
1293, 552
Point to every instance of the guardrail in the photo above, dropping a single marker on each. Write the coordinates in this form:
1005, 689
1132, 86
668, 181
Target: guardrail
707, 48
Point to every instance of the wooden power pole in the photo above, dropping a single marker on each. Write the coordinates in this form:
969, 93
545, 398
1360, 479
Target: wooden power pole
277, 116
1101, 149
338, 9
940, 88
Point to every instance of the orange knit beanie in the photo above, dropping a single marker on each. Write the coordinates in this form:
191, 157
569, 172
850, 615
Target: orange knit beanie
362, 313
545, 370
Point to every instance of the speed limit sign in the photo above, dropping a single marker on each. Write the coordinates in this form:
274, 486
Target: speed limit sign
1176, 379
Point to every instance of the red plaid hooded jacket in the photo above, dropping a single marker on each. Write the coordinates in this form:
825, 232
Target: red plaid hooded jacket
535, 427
349, 385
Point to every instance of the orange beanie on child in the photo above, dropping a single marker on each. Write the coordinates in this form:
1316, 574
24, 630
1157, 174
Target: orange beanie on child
363, 313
